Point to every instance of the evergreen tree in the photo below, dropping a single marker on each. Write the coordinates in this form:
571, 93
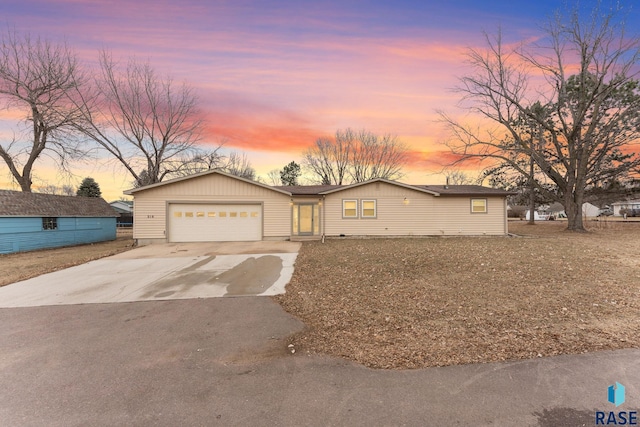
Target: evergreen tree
290, 173
89, 188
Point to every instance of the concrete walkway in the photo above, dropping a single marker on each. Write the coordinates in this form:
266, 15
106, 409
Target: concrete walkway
224, 361
163, 272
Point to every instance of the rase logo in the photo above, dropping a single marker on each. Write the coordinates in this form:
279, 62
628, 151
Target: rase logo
615, 395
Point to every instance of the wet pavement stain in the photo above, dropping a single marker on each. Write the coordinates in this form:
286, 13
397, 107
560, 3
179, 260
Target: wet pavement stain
565, 417
181, 281
252, 276
164, 294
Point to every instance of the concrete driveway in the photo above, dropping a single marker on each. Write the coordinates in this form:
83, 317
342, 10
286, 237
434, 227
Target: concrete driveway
163, 272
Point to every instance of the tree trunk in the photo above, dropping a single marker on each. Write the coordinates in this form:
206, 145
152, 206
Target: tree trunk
573, 209
532, 195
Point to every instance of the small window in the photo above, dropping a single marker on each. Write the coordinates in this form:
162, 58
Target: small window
349, 208
233, 214
177, 214
369, 209
188, 214
478, 205
211, 214
49, 223
200, 214
243, 215
223, 214
254, 214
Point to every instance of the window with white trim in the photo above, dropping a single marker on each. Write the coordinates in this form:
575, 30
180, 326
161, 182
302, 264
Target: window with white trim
478, 205
350, 209
368, 209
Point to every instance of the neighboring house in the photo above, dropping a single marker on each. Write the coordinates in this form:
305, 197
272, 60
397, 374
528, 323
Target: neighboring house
626, 205
31, 221
215, 206
125, 209
537, 216
589, 210
556, 211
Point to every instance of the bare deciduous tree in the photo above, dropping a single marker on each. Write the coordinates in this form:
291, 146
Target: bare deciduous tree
457, 177
146, 122
273, 177
39, 79
65, 190
583, 76
355, 157
328, 160
239, 165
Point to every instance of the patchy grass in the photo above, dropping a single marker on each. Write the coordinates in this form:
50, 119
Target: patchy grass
25, 265
411, 303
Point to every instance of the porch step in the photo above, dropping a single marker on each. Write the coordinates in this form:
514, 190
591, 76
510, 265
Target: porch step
304, 238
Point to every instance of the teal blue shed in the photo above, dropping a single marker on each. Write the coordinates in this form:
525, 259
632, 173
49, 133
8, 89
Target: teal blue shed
30, 221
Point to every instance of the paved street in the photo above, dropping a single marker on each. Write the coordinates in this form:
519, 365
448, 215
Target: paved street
224, 361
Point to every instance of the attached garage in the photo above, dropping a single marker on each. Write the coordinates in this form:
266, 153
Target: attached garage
210, 222
211, 206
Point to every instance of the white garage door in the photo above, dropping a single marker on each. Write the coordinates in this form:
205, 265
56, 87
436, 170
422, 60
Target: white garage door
214, 222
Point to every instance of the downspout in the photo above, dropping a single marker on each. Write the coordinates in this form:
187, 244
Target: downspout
506, 217
323, 217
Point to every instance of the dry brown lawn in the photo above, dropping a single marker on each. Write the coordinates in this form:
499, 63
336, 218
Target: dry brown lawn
411, 303
25, 265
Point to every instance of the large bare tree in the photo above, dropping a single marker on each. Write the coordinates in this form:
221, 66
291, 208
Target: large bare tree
39, 80
146, 122
355, 157
567, 105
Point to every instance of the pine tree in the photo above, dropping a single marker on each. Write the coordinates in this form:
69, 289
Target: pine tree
89, 188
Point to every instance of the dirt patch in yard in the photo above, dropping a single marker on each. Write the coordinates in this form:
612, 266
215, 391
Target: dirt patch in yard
25, 265
412, 303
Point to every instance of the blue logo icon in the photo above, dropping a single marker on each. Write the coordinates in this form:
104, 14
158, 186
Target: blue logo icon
616, 394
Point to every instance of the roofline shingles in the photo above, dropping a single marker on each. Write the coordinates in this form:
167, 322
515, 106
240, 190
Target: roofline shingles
22, 204
442, 190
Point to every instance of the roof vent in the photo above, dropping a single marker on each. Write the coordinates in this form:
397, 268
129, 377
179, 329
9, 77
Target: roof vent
446, 186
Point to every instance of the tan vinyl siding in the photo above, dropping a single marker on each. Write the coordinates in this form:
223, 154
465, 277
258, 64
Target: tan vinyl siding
420, 214
209, 188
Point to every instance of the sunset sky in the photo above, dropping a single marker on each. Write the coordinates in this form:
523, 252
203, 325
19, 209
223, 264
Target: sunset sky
273, 76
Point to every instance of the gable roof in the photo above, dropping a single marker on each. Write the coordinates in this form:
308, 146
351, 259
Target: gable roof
435, 190
465, 190
18, 203
122, 206
307, 190
200, 174
626, 202
318, 190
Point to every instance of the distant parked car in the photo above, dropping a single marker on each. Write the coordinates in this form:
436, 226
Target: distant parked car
605, 212
630, 212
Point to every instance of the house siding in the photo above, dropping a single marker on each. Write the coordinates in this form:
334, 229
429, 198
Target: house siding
151, 205
421, 214
18, 234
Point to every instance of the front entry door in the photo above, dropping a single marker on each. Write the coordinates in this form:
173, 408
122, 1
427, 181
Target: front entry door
305, 218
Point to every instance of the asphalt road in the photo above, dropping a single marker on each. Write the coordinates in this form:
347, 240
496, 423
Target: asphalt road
225, 361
